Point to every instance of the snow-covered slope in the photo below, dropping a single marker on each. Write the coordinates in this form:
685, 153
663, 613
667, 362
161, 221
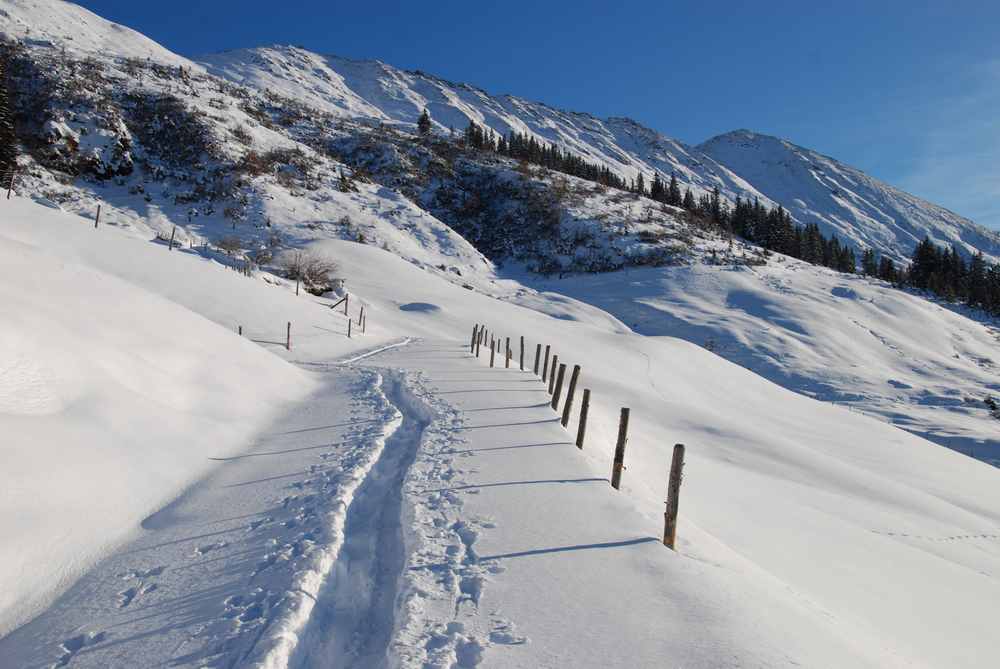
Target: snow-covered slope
810, 535
839, 338
53, 22
381, 93
843, 200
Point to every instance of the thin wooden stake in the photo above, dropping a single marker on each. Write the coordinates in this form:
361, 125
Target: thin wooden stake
297, 285
507, 362
364, 324
362, 314
619, 463
173, 231
581, 431
475, 333
558, 391
522, 353
569, 395
538, 356
349, 322
673, 497
10, 186
545, 369
97, 219
240, 330
347, 301
493, 351
479, 342
552, 373
288, 337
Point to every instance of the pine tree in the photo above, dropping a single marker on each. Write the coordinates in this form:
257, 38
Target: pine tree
424, 123
688, 202
869, 263
674, 192
8, 148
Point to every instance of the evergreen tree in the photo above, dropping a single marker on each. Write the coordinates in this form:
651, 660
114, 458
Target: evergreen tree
688, 202
8, 148
424, 123
674, 192
869, 263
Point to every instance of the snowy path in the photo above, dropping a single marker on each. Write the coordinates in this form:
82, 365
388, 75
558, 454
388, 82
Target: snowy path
422, 510
226, 574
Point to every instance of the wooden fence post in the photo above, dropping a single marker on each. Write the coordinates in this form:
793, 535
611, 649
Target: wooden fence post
364, 324
568, 407
493, 350
538, 356
522, 353
558, 390
545, 369
362, 314
673, 497
507, 363
619, 463
347, 300
288, 337
349, 321
479, 342
581, 431
296, 285
552, 372
173, 231
475, 333
240, 330
97, 219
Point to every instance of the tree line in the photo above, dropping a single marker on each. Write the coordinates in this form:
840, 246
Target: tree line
772, 229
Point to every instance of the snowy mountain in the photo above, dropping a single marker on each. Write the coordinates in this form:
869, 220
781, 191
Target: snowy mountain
861, 210
843, 200
379, 93
208, 468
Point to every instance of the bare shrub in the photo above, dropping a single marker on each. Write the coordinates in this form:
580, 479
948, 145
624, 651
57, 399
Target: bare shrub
315, 270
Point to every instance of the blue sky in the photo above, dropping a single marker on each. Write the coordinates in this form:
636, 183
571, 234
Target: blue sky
907, 91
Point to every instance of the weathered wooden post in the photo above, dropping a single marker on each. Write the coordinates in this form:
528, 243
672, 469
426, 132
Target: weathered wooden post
297, 285
97, 219
288, 337
475, 333
10, 186
673, 497
362, 314
493, 350
240, 330
545, 369
552, 372
173, 231
538, 356
347, 300
619, 463
507, 363
364, 324
569, 395
349, 321
581, 431
479, 342
522, 353
558, 390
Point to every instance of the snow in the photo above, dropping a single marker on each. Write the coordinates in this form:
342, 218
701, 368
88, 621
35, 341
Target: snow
511, 549
839, 338
845, 201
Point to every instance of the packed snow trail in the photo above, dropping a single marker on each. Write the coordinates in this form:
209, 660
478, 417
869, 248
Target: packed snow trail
227, 574
353, 617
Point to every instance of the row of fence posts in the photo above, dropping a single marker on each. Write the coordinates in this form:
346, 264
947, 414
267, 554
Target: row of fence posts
345, 300
553, 375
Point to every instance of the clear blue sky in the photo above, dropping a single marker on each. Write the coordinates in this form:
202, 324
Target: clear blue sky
908, 91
